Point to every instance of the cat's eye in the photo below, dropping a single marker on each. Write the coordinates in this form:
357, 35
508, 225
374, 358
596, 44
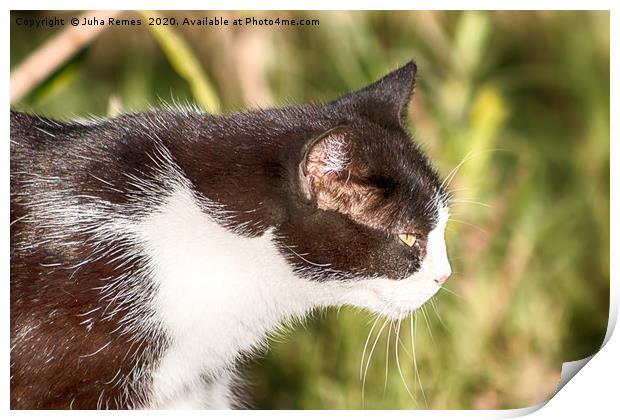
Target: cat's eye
407, 238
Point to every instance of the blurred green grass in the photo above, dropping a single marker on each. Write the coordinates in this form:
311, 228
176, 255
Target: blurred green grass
521, 99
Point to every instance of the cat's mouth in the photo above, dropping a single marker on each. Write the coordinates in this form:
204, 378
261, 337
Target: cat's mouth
402, 300
393, 299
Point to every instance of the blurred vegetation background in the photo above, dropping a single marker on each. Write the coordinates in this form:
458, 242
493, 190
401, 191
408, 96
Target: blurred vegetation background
520, 100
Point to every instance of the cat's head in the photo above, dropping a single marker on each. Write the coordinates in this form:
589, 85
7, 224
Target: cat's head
369, 212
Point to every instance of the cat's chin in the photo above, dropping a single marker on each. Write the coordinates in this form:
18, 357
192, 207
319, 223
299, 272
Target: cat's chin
392, 299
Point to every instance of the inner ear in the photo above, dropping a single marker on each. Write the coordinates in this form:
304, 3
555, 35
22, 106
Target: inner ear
334, 176
326, 159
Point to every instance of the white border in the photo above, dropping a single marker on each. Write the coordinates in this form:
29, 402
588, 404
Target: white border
594, 390
315, 5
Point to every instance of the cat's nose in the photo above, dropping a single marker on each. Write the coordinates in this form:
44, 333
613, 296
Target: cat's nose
442, 279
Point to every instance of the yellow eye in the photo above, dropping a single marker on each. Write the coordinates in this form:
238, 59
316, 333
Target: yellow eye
407, 238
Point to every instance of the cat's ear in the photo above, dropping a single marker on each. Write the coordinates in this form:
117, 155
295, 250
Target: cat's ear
386, 100
329, 167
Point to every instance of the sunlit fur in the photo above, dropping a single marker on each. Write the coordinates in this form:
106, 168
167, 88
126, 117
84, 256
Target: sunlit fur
216, 309
151, 252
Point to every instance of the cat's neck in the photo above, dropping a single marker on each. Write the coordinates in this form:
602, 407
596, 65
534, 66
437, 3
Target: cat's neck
218, 294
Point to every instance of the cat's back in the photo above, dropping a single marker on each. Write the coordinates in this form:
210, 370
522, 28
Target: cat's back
70, 174
42, 145
52, 162
35, 137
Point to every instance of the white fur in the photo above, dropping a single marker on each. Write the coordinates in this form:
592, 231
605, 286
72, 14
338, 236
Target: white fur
220, 294
215, 395
336, 155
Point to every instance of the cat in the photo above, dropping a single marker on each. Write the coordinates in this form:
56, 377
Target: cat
152, 251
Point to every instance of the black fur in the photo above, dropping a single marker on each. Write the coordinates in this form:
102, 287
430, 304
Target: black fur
246, 162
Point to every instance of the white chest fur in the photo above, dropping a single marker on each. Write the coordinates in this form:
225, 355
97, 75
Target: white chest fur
219, 294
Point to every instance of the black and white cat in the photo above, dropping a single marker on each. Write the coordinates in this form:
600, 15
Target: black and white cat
151, 251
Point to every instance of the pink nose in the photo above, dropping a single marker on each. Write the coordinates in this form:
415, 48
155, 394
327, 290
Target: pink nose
441, 280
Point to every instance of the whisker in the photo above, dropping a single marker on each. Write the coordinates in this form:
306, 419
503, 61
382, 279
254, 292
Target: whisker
465, 201
428, 325
400, 371
445, 289
387, 359
372, 350
414, 328
469, 224
366, 344
468, 156
446, 182
305, 259
432, 302
404, 348
459, 189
